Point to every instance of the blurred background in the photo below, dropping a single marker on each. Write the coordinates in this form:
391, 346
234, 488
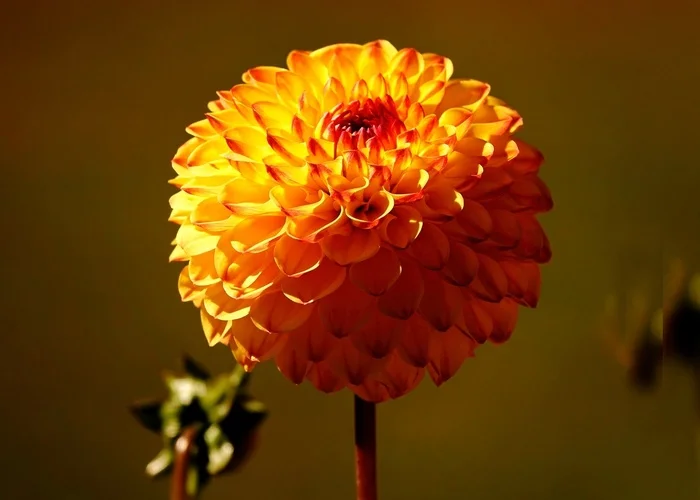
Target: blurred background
96, 96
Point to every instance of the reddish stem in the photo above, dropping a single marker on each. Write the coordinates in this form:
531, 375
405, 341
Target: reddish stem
365, 449
183, 452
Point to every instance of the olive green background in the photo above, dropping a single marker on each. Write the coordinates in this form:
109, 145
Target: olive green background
95, 99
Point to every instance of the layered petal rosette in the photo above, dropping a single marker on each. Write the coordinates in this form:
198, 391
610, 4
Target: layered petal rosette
360, 218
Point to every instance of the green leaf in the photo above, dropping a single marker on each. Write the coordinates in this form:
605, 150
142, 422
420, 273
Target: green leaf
193, 481
161, 464
194, 369
148, 414
220, 450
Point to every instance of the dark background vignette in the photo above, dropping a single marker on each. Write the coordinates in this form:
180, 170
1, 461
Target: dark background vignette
95, 100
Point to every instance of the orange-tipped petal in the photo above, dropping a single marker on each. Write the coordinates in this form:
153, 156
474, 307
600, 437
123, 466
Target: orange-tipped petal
293, 363
441, 302
505, 317
524, 280
256, 234
346, 310
462, 266
188, 290
415, 342
215, 330
404, 297
490, 283
401, 227
379, 337
202, 270
259, 345
448, 352
324, 379
221, 305
295, 257
400, 377
378, 273
352, 364
431, 249
356, 246
478, 322
316, 284
275, 313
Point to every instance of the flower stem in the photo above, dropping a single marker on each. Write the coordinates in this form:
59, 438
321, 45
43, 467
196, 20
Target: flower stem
365, 449
183, 452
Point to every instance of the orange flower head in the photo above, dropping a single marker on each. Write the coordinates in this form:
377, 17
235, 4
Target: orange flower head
360, 218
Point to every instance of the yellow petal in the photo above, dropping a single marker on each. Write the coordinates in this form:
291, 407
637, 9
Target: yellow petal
256, 234
201, 269
356, 246
272, 115
468, 94
312, 228
296, 257
316, 284
403, 299
188, 290
409, 62
194, 240
210, 151
290, 87
376, 274
244, 198
275, 313
375, 58
215, 330
431, 248
220, 305
307, 67
212, 216
346, 310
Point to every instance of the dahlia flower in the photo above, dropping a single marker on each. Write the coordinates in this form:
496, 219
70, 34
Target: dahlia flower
360, 218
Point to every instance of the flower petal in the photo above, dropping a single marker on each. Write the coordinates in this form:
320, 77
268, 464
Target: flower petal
356, 246
376, 274
215, 330
505, 317
415, 342
346, 310
462, 266
324, 379
259, 345
316, 284
448, 352
441, 303
404, 297
431, 248
351, 364
257, 234
275, 313
490, 283
296, 257
379, 337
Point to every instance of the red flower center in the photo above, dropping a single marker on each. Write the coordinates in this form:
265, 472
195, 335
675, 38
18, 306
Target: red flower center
358, 124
